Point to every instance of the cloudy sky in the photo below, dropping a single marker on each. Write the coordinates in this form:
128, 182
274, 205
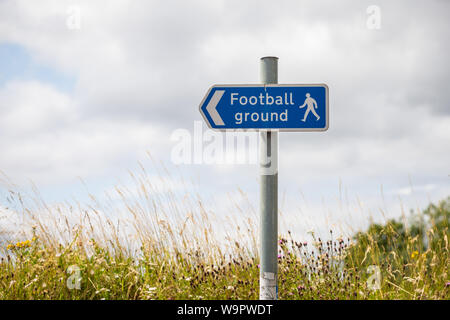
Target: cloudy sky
89, 88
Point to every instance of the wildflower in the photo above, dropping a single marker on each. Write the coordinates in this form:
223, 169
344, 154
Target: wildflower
447, 284
20, 244
414, 254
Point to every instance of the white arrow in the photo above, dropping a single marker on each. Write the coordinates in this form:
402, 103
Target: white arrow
212, 105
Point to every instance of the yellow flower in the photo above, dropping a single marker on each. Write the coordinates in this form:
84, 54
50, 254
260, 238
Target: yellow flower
414, 254
20, 244
10, 247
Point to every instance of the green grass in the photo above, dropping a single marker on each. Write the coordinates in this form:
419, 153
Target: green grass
35, 271
171, 252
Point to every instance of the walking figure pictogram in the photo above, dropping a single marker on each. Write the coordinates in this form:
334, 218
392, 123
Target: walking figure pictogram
312, 104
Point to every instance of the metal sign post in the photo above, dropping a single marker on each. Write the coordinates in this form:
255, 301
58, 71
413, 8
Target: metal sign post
268, 107
268, 206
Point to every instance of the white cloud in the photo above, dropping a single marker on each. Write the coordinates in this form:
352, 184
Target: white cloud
406, 191
29, 108
45, 138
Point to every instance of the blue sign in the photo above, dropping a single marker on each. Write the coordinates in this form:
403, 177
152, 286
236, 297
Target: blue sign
284, 107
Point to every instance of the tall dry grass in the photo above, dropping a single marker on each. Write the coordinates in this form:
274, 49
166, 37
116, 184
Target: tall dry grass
157, 239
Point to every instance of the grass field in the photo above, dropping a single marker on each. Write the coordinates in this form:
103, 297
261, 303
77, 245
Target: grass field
179, 257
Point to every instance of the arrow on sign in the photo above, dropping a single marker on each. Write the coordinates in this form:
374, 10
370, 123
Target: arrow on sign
212, 105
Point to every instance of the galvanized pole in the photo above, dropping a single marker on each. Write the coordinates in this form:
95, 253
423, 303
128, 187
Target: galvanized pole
268, 166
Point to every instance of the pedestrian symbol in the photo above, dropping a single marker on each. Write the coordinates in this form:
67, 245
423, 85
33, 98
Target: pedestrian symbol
311, 106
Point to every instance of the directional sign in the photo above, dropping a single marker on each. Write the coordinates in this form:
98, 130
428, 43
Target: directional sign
285, 107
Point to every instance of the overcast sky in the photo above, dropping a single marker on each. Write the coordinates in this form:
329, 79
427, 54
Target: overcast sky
87, 96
